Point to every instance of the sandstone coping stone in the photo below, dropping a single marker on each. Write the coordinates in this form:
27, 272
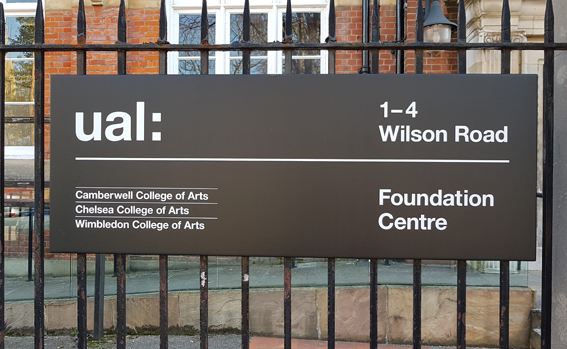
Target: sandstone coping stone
267, 313
224, 310
439, 316
483, 310
109, 320
352, 309
309, 314
61, 315
143, 312
19, 317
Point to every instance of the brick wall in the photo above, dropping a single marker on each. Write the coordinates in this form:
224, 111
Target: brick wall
349, 29
442, 62
61, 28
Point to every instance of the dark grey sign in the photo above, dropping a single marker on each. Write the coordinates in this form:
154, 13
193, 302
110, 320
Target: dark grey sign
431, 167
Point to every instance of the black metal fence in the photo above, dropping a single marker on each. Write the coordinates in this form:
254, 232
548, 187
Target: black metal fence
287, 46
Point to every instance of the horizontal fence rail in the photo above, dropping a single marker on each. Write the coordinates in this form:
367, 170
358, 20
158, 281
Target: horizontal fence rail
371, 45
282, 46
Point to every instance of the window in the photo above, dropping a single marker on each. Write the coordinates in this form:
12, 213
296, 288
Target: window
19, 82
305, 28
20, 27
19, 97
258, 34
267, 19
190, 33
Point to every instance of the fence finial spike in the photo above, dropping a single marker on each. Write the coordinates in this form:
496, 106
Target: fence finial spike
162, 23
204, 23
549, 22
419, 21
2, 25
462, 23
122, 22
332, 23
375, 21
288, 18
81, 23
505, 23
39, 24
246, 22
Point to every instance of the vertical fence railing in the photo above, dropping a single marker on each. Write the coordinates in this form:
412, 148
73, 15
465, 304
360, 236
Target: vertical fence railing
461, 265
417, 263
39, 181
548, 125
331, 262
419, 18
98, 332
331, 268
245, 301
375, 54
120, 259
287, 302
374, 69
81, 257
288, 38
39, 186
204, 260
163, 302
417, 304
504, 322
2, 173
204, 301
30, 244
163, 259
245, 261
373, 303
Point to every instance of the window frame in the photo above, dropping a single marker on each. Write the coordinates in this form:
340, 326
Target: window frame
173, 57
270, 37
222, 9
14, 10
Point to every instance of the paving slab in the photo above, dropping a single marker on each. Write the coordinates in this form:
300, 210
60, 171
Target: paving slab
192, 342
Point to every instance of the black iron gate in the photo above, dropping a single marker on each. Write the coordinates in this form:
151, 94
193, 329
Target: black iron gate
287, 46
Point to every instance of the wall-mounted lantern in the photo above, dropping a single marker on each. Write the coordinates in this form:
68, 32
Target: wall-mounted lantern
437, 28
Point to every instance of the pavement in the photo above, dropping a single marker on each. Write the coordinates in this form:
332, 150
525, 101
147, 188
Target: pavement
192, 342
307, 274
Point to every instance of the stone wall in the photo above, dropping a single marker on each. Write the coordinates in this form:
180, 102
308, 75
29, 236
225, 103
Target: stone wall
309, 314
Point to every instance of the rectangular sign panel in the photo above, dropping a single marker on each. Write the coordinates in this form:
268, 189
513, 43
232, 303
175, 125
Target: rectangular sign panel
360, 166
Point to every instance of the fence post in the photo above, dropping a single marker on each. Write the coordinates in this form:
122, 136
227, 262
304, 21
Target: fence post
549, 162
39, 180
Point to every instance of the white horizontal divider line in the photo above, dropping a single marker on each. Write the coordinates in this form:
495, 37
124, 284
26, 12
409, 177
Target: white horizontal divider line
141, 188
147, 203
144, 217
462, 161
